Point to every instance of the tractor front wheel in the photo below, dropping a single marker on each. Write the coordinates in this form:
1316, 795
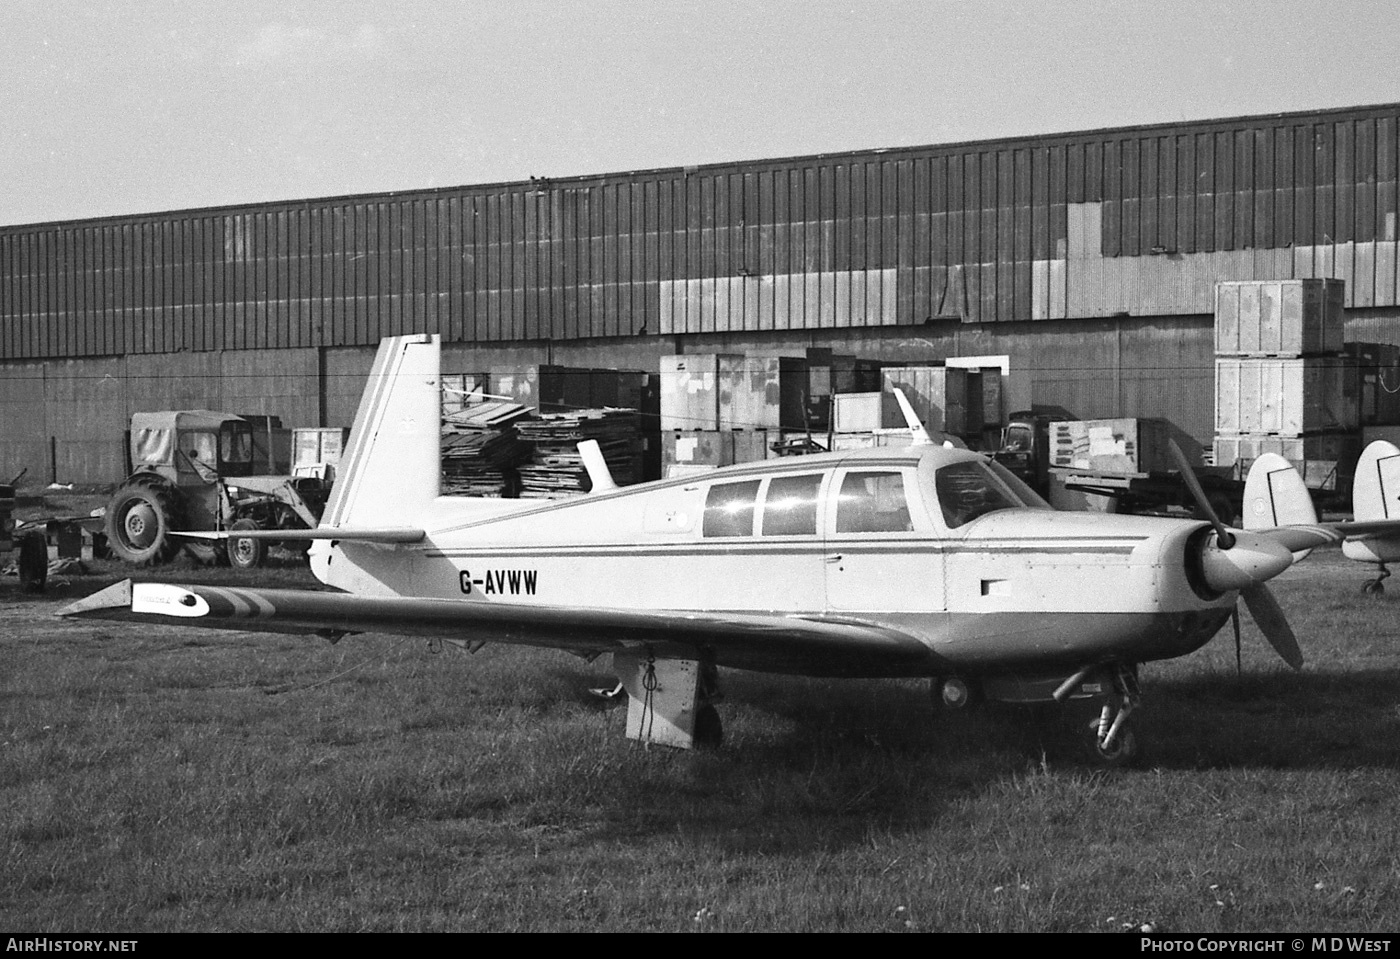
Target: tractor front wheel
139, 520
245, 552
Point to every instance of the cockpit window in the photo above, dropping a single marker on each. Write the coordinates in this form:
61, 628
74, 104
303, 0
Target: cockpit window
974, 488
729, 509
872, 503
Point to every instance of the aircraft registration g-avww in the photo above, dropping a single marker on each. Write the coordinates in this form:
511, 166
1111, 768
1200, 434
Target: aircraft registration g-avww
925, 561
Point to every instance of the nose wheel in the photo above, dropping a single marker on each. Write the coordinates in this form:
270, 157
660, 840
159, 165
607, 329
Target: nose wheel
1110, 740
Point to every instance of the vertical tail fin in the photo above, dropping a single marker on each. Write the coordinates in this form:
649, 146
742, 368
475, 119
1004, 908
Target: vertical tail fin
390, 471
1375, 493
1275, 495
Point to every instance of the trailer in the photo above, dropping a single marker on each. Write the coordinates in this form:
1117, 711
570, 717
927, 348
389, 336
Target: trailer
1162, 493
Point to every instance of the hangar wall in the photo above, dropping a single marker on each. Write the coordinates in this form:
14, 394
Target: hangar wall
1090, 258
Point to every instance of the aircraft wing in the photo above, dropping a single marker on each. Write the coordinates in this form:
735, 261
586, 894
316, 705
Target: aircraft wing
773, 642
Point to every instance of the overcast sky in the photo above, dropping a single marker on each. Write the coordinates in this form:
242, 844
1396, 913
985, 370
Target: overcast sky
131, 106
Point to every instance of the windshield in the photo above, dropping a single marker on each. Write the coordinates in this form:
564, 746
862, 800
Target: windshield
235, 443
974, 488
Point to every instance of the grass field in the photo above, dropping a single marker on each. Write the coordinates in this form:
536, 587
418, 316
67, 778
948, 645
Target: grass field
174, 779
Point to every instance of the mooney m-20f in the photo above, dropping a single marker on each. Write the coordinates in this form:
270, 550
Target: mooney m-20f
926, 561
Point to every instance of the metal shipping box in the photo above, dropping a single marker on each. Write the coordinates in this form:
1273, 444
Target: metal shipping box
690, 394
1279, 317
750, 392
1378, 382
1285, 396
937, 393
1124, 445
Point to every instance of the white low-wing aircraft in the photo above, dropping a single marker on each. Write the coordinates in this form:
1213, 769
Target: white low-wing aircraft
926, 561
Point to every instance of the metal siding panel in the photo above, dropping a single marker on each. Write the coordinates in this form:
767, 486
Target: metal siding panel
1242, 230
1185, 193
1074, 172
1343, 176
1205, 193
1166, 194
1224, 189
1385, 273
1285, 224
1324, 180
1362, 286
1112, 217
1364, 178
1262, 185
1130, 239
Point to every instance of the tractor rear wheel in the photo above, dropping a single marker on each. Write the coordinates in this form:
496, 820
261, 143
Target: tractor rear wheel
243, 552
140, 517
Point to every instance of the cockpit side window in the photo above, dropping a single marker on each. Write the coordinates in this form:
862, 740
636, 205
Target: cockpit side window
790, 506
872, 502
729, 509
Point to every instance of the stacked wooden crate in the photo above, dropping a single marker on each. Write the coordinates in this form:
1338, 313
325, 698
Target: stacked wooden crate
1282, 383
556, 469
481, 449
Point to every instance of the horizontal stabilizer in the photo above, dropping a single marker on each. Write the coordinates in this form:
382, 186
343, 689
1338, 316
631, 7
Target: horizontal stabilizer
343, 534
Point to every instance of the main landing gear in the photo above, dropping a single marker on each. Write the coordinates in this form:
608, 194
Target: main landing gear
1376, 587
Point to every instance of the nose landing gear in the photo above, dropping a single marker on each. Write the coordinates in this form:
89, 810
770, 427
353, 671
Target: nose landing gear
1111, 741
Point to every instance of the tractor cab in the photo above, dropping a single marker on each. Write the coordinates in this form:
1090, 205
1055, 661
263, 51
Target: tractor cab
192, 447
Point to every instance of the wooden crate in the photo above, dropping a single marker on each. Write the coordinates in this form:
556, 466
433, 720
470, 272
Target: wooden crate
315, 448
896, 439
865, 412
1287, 396
1325, 461
1279, 317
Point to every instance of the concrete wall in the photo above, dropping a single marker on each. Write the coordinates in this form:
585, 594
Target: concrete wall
65, 419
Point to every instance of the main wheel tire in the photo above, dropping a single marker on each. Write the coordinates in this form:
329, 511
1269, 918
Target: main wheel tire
1374, 588
140, 517
1123, 751
33, 562
244, 552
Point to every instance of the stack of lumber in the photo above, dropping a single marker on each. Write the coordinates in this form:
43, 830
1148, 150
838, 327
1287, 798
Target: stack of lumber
481, 448
556, 470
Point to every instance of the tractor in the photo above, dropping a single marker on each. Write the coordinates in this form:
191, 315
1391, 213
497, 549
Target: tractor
193, 470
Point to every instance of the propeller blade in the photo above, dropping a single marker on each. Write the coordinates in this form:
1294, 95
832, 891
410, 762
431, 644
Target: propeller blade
1222, 535
1273, 624
1235, 622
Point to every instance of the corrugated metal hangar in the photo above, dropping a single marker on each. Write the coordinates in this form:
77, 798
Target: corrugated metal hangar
1090, 259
